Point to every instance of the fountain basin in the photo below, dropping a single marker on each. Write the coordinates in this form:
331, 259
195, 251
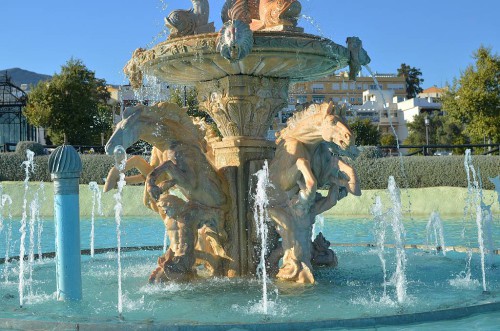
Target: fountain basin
194, 59
349, 296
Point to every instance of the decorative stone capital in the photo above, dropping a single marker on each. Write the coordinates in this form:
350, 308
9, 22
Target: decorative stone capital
65, 167
243, 105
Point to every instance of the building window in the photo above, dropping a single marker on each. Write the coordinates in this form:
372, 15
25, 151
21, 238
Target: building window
395, 87
335, 86
318, 98
292, 100
318, 87
301, 99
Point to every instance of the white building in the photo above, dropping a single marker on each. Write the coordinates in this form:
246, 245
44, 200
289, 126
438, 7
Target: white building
380, 106
413, 107
384, 109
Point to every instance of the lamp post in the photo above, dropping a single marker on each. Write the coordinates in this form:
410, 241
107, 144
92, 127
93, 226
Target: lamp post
427, 122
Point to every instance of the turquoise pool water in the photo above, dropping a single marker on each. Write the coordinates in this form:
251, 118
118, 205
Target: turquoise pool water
354, 290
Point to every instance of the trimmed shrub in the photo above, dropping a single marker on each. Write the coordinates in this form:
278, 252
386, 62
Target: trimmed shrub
35, 147
419, 171
369, 152
95, 168
422, 171
10, 166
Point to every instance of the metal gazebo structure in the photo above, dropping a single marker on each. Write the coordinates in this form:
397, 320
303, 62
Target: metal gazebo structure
13, 124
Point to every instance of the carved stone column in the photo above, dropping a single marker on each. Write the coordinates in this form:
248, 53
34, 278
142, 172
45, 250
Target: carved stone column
243, 108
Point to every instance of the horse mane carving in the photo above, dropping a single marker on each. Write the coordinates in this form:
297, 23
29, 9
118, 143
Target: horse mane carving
195, 128
307, 110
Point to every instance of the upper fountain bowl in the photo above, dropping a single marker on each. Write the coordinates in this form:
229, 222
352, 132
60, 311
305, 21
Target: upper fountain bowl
195, 59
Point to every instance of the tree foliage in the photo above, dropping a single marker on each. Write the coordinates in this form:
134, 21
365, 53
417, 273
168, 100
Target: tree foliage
188, 97
413, 79
442, 130
474, 98
388, 139
366, 133
72, 104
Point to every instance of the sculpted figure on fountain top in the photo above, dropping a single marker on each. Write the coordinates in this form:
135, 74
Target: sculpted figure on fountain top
243, 10
358, 56
267, 15
278, 15
189, 22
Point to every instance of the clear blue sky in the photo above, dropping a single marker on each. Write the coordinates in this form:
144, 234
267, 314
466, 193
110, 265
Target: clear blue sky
436, 36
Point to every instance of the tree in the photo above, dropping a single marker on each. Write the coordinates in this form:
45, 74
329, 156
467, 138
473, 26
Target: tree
413, 80
366, 133
418, 130
72, 105
442, 130
188, 97
388, 139
474, 98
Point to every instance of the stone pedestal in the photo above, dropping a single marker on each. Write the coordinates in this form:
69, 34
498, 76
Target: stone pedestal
239, 158
244, 108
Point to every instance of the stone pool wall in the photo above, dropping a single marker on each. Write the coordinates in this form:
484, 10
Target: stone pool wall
449, 201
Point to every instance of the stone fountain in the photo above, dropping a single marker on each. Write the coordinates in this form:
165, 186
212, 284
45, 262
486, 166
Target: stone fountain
242, 74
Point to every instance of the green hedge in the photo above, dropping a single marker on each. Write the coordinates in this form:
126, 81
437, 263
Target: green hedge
424, 171
373, 172
95, 168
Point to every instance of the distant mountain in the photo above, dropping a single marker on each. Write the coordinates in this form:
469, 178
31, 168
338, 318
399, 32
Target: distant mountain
20, 76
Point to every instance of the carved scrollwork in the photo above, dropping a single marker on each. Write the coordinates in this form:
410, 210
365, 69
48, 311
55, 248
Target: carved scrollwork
245, 111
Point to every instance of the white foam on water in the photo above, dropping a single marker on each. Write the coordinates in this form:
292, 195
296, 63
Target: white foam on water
465, 281
164, 288
138, 271
40, 298
132, 305
274, 308
375, 301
